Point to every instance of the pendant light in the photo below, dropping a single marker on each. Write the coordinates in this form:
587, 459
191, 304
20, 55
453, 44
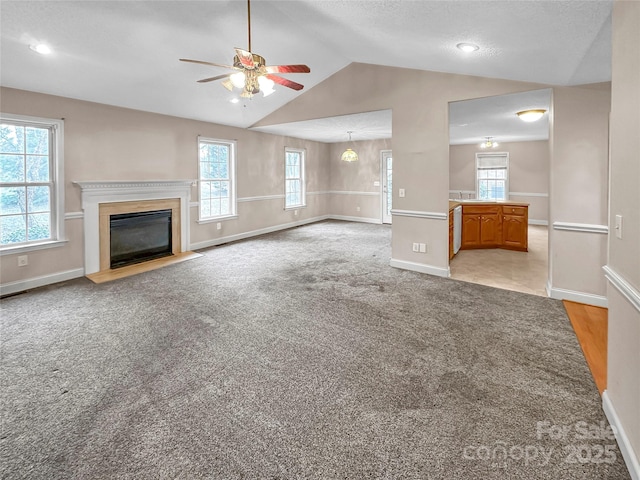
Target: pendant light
489, 143
349, 155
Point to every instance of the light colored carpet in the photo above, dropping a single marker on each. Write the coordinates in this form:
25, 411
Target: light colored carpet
299, 354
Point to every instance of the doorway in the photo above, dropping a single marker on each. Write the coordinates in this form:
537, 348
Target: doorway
494, 155
387, 184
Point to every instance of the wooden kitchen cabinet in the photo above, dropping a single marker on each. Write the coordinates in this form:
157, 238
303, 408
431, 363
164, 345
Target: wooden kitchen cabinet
470, 230
495, 226
480, 226
515, 222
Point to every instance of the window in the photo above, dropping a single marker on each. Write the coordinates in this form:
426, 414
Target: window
217, 179
31, 183
492, 174
294, 178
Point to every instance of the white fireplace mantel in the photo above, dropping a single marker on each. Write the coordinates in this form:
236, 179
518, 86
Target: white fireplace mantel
95, 193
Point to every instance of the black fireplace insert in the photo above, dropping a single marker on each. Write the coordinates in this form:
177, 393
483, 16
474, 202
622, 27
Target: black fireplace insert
139, 237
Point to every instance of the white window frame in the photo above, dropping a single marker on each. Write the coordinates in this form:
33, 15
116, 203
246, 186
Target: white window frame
505, 155
56, 166
301, 178
233, 199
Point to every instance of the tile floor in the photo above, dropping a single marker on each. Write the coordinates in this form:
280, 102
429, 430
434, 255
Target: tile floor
520, 271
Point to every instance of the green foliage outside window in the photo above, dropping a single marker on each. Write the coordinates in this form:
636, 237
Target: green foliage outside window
25, 183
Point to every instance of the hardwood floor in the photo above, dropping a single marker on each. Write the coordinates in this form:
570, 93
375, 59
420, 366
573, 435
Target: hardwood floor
590, 325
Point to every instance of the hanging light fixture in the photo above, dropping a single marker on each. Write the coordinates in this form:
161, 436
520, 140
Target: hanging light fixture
489, 143
349, 155
531, 115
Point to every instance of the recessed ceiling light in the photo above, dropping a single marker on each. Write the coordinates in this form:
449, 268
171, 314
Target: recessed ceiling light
41, 48
468, 47
234, 100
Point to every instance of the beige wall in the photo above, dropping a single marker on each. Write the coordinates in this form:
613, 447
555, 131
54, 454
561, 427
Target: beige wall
420, 104
623, 382
352, 184
528, 174
579, 146
110, 143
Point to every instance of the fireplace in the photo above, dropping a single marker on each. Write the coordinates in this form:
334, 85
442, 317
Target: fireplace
104, 199
139, 237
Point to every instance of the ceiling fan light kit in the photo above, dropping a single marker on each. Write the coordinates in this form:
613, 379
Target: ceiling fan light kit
252, 74
531, 115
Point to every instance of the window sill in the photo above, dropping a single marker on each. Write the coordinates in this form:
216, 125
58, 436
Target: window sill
217, 219
13, 250
296, 207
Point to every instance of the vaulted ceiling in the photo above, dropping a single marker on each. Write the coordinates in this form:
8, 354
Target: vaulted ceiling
125, 53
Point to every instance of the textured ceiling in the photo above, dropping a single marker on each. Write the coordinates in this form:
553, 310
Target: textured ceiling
125, 53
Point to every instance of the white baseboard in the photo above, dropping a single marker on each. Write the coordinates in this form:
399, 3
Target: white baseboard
255, 233
22, 285
420, 267
580, 297
630, 458
355, 219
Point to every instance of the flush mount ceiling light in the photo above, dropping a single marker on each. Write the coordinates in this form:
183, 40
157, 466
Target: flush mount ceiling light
349, 155
531, 115
489, 143
468, 47
41, 48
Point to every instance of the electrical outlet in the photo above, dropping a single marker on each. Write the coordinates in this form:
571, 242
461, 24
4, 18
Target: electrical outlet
295, 212
219, 226
416, 247
357, 209
423, 248
401, 192
23, 260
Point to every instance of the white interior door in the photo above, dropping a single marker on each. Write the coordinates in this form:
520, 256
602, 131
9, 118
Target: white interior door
387, 185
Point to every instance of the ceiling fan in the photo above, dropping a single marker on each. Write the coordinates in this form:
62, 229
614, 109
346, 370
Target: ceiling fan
251, 73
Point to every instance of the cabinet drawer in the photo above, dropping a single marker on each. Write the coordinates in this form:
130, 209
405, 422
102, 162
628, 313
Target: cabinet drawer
480, 209
510, 210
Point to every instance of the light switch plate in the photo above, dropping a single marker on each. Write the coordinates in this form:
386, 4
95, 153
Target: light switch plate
401, 192
618, 226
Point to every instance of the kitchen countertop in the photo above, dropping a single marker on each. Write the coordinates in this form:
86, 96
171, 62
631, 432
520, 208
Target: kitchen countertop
454, 203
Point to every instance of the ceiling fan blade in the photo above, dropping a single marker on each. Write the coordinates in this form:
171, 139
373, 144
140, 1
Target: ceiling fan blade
208, 63
287, 69
285, 82
246, 58
217, 77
